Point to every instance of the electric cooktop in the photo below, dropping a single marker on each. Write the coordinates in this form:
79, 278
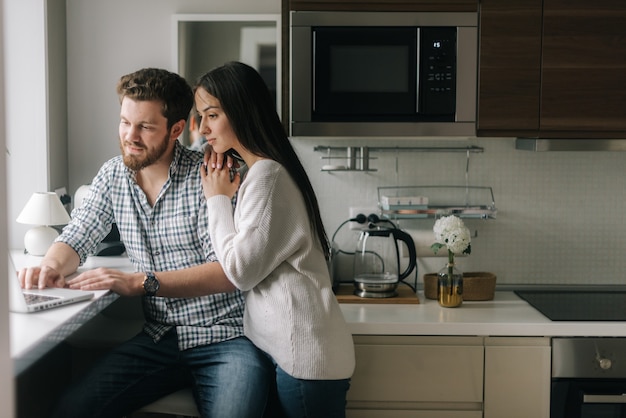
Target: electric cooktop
575, 305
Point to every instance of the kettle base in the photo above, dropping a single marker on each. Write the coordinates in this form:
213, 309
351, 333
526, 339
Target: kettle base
369, 294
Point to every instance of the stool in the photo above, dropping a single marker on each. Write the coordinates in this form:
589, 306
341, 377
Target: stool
180, 403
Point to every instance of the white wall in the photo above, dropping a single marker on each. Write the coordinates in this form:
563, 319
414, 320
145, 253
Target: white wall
6, 366
56, 80
26, 111
561, 215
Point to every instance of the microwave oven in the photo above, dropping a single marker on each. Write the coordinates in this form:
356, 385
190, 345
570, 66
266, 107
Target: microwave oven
383, 74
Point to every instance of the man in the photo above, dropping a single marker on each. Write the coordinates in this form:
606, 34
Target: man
153, 192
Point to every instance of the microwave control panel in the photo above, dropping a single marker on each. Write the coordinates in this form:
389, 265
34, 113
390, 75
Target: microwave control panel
438, 65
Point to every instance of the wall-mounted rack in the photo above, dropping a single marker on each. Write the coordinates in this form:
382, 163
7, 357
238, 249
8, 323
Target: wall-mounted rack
413, 202
358, 158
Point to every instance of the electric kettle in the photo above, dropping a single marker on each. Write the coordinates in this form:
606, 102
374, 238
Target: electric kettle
377, 262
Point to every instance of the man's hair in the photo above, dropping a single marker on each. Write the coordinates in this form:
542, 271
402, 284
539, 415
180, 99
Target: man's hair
154, 84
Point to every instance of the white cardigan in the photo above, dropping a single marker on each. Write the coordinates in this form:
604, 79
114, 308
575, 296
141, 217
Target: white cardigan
268, 250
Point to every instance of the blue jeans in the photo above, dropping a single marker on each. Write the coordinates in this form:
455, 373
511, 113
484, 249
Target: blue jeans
231, 379
299, 398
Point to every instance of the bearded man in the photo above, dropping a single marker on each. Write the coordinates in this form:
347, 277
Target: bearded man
153, 192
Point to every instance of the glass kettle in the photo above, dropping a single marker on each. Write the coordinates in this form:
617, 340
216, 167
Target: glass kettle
377, 261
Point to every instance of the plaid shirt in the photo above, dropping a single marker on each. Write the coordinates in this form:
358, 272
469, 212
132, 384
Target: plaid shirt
173, 234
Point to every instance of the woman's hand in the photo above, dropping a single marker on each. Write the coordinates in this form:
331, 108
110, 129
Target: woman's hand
216, 160
216, 178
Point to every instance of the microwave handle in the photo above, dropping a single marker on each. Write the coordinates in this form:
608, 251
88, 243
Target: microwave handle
604, 398
417, 72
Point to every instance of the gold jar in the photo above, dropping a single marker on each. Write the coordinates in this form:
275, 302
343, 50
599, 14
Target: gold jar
450, 286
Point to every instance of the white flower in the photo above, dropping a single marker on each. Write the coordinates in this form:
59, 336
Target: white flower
450, 231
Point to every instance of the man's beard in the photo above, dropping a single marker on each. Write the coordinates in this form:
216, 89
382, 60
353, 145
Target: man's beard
136, 163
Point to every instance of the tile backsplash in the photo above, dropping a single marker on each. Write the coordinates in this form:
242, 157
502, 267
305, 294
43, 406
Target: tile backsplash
561, 215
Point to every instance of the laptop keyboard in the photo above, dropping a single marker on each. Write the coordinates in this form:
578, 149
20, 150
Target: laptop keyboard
32, 298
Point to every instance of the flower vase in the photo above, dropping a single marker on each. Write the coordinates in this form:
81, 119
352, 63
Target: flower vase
450, 286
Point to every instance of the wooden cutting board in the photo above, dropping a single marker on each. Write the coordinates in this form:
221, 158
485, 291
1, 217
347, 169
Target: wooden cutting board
405, 296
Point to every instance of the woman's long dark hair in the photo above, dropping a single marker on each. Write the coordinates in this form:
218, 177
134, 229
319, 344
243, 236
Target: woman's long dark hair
251, 110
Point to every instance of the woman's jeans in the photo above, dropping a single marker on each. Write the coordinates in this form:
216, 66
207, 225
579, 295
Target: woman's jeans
231, 379
299, 398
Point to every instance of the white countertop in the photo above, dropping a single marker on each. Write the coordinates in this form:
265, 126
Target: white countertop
34, 334
505, 315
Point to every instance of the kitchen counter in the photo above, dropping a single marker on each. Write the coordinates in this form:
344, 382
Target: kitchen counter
34, 334
505, 315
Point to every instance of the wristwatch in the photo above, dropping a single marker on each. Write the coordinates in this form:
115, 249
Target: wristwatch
150, 284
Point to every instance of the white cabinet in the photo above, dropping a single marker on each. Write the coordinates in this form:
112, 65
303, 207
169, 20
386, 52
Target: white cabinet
450, 377
411, 376
517, 377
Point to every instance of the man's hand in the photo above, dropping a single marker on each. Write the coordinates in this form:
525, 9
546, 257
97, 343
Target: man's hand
40, 277
124, 284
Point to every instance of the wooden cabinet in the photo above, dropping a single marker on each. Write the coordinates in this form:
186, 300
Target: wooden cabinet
517, 377
552, 68
584, 68
509, 72
402, 376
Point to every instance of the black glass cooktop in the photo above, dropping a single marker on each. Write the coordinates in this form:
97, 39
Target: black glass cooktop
584, 305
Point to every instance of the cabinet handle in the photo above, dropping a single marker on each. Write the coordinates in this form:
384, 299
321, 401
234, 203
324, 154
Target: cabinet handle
604, 398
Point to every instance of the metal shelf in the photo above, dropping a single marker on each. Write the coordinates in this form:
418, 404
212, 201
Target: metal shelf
358, 158
415, 202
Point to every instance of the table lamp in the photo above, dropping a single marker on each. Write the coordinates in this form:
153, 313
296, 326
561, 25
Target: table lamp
42, 209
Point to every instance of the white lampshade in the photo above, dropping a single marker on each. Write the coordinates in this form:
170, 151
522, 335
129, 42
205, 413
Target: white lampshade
42, 209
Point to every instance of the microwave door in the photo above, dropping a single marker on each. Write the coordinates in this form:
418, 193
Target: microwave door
363, 73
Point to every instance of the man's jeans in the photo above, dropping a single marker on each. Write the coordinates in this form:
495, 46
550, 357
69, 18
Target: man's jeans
231, 379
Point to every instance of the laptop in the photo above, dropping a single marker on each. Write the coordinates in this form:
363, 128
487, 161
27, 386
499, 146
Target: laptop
35, 300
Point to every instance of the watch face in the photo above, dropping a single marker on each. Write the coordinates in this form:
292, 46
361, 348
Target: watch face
150, 284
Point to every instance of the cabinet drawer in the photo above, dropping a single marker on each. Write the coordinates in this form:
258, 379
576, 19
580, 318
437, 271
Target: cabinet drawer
418, 369
528, 394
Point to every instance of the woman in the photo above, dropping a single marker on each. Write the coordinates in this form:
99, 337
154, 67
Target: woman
273, 247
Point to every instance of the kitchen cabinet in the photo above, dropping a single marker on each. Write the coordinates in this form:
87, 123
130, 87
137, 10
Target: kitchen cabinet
584, 68
450, 376
401, 376
509, 72
552, 69
517, 377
